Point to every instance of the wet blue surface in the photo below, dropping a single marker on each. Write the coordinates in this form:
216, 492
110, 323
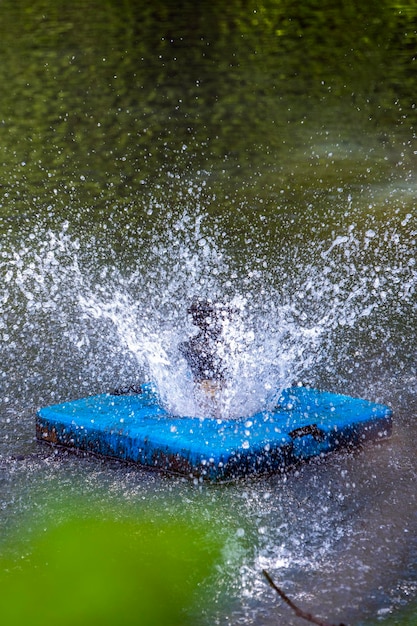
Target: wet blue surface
305, 423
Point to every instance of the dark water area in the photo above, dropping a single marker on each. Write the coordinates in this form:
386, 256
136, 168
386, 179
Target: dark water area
260, 153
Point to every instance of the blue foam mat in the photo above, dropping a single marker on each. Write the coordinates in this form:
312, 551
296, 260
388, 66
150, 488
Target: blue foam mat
136, 428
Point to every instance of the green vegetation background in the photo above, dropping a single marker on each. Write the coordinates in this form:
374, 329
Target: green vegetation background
102, 95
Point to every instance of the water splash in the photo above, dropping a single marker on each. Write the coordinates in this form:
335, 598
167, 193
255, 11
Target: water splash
73, 322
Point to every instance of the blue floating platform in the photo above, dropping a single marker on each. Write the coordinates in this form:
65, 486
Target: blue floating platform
135, 428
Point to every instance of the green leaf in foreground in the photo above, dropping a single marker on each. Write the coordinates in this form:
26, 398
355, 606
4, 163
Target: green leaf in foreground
107, 572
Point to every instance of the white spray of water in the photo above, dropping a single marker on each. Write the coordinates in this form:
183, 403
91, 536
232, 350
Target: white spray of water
82, 321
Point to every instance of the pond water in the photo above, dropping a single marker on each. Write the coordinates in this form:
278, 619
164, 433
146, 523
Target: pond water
125, 193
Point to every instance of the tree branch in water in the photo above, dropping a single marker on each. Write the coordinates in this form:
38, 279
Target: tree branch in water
298, 612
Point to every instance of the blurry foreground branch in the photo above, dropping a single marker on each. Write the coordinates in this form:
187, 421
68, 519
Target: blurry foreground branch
299, 612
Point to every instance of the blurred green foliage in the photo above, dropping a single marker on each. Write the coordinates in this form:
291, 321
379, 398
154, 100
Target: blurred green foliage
108, 571
406, 616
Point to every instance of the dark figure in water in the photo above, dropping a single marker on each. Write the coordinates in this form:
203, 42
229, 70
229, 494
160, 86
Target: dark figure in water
202, 350
205, 353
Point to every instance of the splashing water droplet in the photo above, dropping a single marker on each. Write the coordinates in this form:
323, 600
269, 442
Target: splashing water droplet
80, 324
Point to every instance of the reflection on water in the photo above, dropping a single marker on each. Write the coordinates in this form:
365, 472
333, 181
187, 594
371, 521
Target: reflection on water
118, 208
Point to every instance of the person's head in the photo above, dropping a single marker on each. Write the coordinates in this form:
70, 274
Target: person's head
208, 315
203, 313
